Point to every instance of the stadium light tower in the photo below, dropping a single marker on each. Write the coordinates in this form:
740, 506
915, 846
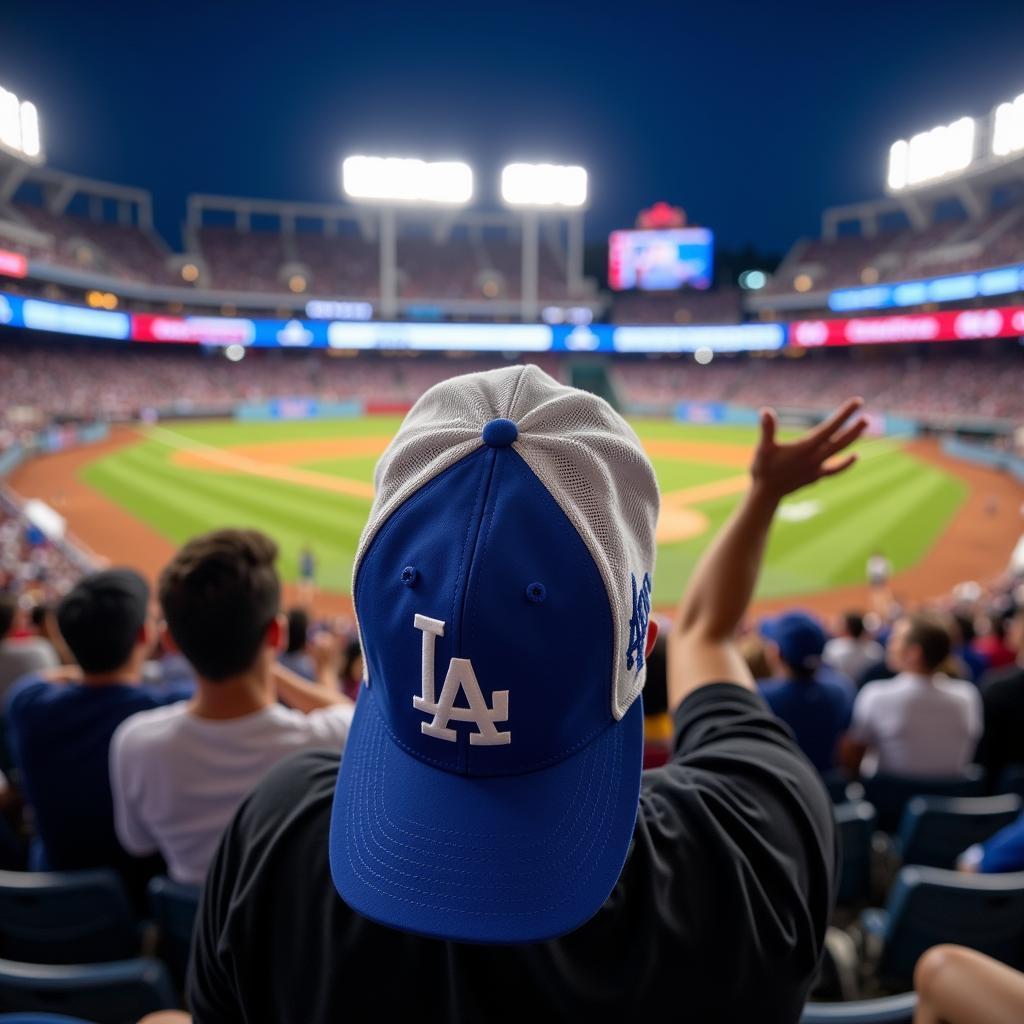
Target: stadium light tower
19, 128
532, 188
393, 182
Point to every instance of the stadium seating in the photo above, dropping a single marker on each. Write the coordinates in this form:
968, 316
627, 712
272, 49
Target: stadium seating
82, 243
889, 1010
841, 789
944, 247
890, 794
935, 830
990, 388
109, 993
855, 825
1011, 780
719, 306
39, 1018
66, 917
174, 910
928, 906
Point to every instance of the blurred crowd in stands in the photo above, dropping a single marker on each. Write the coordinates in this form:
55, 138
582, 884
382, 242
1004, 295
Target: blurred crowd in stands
39, 384
941, 385
948, 247
480, 265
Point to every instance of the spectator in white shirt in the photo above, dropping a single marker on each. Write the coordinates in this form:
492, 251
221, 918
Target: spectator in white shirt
178, 773
921, 722
854, 649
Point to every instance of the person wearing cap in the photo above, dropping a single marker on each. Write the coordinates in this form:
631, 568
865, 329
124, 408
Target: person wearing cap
178, 773
921, 722
814, 700
490, 847
60, 724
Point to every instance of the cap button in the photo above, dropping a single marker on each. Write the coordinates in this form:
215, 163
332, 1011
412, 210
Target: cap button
500, 433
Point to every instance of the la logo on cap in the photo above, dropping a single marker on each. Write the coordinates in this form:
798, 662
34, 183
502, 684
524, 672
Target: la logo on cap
460, 677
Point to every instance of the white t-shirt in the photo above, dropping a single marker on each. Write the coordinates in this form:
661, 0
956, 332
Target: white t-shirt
177, 779
851, 656
919, 726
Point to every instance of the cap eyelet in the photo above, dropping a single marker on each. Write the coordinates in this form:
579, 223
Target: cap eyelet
410, 575
536, 592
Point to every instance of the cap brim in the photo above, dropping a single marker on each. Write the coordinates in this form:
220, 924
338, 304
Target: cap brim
519, 858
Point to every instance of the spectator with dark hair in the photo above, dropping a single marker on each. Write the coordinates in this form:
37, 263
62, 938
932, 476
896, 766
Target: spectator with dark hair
352, 668
60, 725
963, 635
853, 649
494, 833
991, 644
813, 699
1002, 695
921, 722
179, 772
295, 656
20, 656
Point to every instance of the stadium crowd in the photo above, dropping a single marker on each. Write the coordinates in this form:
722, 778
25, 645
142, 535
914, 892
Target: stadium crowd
40, 384
153, 733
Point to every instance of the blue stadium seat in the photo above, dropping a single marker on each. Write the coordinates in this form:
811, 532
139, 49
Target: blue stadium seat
840, 788
1011, 780
174, 909
890, 794
114, 993
40, 1018
855, 825
890, 1010
929, 906
935, 830
66, 917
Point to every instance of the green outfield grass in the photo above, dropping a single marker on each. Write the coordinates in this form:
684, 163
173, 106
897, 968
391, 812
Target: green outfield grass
890, 501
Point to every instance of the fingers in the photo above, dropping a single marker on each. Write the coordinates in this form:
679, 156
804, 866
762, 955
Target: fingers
832, 468
840, 416
845, 438
768, 426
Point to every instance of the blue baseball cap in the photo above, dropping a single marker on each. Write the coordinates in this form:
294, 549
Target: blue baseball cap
490, 782
799, 637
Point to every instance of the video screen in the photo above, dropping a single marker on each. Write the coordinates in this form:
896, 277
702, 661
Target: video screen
660, 260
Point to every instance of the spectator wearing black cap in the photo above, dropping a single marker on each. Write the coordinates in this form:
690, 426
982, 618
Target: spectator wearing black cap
60, 724
812, 698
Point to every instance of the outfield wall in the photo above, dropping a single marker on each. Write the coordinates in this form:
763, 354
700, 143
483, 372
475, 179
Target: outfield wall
983, 455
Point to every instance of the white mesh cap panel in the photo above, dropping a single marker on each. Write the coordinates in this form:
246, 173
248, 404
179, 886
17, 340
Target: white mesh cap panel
584, 453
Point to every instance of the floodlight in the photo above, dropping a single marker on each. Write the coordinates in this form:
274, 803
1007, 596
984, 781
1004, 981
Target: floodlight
543, 185
1008, 127
19, 126
395, 179
944, 150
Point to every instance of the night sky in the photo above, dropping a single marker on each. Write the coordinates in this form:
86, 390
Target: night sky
753, 116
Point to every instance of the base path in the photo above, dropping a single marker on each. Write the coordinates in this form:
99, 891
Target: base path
974, 546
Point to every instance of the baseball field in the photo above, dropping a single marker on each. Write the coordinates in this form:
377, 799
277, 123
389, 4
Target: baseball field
310, 483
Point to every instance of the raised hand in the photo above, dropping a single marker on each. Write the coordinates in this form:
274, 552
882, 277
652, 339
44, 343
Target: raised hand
779, 469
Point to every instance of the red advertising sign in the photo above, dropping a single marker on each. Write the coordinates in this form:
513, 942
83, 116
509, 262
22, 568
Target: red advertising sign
956, 325
13, 264
205, 330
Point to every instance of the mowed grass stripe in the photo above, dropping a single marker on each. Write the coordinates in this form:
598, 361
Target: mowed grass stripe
824, 552
260, 497
223, 435
179, 513
889, 500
